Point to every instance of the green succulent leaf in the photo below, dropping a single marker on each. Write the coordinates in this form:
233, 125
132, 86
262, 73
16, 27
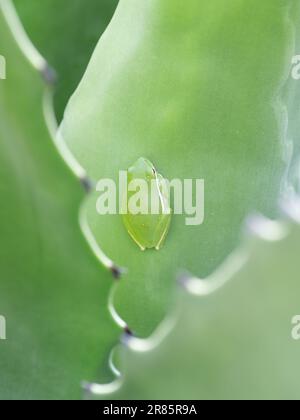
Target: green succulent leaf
237, 343
53, 291
66, 32
195, 89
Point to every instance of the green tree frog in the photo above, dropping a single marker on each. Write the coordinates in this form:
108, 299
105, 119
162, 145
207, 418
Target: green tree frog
146, 205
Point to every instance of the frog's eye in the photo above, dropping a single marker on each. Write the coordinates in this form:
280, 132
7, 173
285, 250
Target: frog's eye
146, 208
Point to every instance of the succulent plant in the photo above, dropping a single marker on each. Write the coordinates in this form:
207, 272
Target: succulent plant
203, 91
66, 38
53, 290
231, 340
182, 94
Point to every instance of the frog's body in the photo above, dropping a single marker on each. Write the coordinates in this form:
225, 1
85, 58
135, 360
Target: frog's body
148, 230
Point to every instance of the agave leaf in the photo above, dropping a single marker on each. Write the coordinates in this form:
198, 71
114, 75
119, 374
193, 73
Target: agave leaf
53, 291
66, 33
233, 344
194, 89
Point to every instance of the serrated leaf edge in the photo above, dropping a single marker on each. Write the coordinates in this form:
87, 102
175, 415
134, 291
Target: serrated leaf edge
257, 226
48, 75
